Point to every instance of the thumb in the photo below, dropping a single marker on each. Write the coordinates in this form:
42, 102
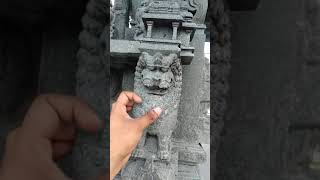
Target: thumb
144, 121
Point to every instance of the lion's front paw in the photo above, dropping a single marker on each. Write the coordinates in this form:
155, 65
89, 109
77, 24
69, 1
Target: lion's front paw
164, 155
138, 153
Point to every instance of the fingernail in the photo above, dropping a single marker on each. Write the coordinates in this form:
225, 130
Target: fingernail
157, 110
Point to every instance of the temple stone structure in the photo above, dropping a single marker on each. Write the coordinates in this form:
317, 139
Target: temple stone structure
157, 48
264, 111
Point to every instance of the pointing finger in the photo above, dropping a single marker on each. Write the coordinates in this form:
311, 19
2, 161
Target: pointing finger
128, 98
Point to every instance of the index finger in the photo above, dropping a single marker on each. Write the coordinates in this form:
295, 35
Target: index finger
126, 97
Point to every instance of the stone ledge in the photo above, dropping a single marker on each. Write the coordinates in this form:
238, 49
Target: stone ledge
133, 49
188, 154
169, 17
117, 48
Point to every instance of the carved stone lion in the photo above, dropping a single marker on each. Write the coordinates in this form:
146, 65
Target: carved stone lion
158, 81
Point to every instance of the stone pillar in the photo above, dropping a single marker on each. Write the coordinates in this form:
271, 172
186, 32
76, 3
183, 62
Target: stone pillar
188, 37
149, 30
121, 19
191, 79
90, 151
175, 26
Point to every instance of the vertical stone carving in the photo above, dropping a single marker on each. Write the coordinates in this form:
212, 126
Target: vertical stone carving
112, 23
137, 22
121, 17
220, 29
93, 80
158, 80
199, 7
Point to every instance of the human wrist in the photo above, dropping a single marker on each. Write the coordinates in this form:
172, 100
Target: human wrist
115, 164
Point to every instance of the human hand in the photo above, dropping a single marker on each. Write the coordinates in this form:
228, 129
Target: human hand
125, 132
46, 134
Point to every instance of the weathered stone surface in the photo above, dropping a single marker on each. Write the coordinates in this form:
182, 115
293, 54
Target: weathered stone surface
93, 85
56, 39
158, 81
271, 129
220, 36
167, 36
205, 103
258, 140
188, 129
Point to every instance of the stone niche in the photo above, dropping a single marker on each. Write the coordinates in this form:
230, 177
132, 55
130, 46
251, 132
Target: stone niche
156, 51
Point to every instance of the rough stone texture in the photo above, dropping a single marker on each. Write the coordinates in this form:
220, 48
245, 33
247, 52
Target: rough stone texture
271, 124
46, 63
263, 69
170, 148
189, 129
271, 129
205, 103
93, 85
158, 80
220, 36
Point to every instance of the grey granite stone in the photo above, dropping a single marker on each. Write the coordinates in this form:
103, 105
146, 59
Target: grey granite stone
158, 81
167, 53
93, 85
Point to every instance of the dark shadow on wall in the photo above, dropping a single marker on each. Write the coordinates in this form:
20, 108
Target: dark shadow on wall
272, 87
38, 47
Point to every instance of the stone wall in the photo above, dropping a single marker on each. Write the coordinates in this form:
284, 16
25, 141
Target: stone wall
271, 126
220, 36
183, 121
303, 138
19, 59
272, 121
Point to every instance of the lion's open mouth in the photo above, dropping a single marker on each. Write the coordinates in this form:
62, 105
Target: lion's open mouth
157, 91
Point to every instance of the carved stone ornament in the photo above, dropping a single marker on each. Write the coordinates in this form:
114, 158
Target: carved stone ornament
112, 20
158, 80
150, 54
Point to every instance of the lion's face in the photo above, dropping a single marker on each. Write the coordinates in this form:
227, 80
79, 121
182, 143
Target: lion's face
157, 75
158, 80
